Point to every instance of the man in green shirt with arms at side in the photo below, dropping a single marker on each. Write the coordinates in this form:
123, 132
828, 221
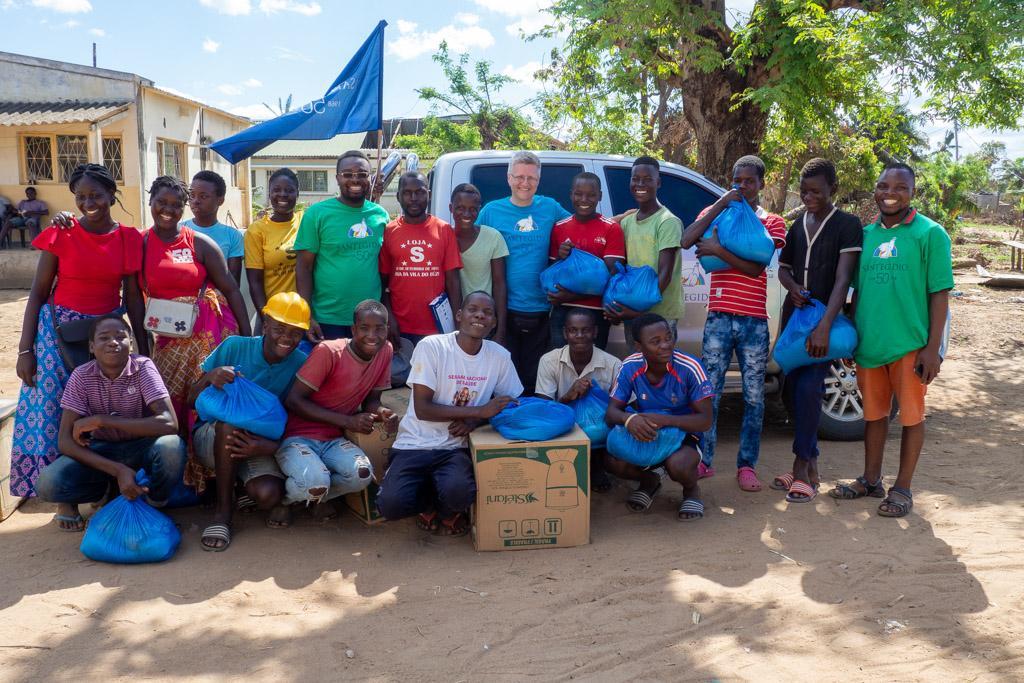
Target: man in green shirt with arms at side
902, 304
337, 247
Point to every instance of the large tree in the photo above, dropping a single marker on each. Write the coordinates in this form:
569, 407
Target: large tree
678, 78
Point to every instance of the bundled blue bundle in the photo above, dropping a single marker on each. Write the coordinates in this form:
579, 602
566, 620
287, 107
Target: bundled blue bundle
183, 496
634, 287
625, 446
533, 419
589, 412
743, 234
791, 347
580, 272
244, 404
130, 532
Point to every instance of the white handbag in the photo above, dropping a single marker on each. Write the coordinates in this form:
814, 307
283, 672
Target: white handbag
168, 317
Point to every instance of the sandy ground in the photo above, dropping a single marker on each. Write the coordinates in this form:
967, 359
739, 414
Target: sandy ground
759, 590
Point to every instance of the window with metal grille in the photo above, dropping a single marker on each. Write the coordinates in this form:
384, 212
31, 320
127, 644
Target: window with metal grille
113, 158
72, 150
312, 181
38, 158
171, 157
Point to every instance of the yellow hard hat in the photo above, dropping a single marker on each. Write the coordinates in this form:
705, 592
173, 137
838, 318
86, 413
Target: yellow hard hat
288, 308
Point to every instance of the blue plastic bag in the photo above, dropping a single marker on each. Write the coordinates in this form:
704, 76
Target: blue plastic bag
743, 234
635, 287
580, 272
625, 446
589, 411
243, 404
130, 532
533, 419
791, 347
183, 496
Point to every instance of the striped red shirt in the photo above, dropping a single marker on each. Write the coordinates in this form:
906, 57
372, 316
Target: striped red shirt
734, 292
89, 392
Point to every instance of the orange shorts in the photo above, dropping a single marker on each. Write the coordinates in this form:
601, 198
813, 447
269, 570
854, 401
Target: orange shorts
879, 385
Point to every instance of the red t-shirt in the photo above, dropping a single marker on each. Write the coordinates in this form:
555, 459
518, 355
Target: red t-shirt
416, 257
598, 236
341, 381
172, 270
734, 292
90, 267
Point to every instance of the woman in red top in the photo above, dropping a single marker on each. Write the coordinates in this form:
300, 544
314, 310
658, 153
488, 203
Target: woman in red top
94, 262
183, 265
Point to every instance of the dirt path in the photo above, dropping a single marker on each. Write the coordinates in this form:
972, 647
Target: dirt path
757, 591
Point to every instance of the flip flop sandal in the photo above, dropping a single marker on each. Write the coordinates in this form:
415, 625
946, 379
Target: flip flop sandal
219, 532
847, 492
691, 510
801, 492
782, 482
244, 503
747, 479
641, 501
427, 521
902, 507
71, 519
454, 526
704, 471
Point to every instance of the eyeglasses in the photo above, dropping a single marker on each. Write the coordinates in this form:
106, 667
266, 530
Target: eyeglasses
532, 179
359, 175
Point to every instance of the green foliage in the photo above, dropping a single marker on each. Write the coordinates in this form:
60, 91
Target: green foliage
283, 106
440, 136
944, 185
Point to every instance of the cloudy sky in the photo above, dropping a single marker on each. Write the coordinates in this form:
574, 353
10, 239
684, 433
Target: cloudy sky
238, 54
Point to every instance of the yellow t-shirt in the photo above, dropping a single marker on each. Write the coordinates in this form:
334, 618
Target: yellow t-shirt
269, 247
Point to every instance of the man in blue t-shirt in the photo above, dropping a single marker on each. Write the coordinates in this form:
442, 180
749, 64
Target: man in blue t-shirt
270, 361
206, 195
668, 389
525, 220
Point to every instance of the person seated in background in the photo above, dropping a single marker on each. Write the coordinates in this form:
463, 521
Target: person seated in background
29, 214
419, 261
270, 361
564, 374
669, 389
454, 377
205, 197
117, 418
588, 230
338, 390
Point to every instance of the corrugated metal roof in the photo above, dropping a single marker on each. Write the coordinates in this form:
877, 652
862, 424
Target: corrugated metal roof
47, 113
313, 149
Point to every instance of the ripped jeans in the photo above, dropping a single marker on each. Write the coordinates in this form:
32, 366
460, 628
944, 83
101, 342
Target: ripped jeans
321, 470
748, 337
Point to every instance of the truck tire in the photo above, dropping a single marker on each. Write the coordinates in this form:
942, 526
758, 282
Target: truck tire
842, 414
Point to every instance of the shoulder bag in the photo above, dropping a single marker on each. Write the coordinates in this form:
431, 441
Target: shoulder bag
168, 317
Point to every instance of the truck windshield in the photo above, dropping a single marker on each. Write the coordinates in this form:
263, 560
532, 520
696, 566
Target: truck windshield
555, 181
683, 198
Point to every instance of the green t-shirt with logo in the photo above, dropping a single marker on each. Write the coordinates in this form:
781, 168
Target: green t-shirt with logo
899, 267
347, 243
644, 242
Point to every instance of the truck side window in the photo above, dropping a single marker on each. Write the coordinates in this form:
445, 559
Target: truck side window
683, 198
555, 181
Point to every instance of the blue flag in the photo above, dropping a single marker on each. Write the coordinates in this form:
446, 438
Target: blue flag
352, 104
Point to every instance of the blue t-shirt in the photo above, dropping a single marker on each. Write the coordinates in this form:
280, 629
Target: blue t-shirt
246, 353
527, 232
229, 239
683, 385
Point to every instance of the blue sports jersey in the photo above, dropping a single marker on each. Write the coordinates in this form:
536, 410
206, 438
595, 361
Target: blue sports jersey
683, 385
527, 232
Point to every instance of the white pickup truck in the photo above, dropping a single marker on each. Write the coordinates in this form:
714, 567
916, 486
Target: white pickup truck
685, 193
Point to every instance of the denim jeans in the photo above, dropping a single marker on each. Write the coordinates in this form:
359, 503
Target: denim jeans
526, 338
424, 480
725, 333
330, 465
805, 387
68, 481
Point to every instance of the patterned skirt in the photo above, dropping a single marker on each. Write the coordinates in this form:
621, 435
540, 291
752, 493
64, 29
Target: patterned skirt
179, 362
38, 416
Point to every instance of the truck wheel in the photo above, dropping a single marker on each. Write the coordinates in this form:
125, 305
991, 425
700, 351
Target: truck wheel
842, 415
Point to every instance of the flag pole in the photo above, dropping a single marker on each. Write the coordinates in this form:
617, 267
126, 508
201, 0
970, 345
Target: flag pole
380, 152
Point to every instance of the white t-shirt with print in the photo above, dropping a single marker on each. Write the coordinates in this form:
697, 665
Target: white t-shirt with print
457, 379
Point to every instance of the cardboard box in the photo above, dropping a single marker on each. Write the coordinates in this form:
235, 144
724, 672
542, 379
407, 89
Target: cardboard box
377, 446
531, 494
8, 502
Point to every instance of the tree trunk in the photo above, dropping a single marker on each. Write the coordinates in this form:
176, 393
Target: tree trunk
781, 194
723, 135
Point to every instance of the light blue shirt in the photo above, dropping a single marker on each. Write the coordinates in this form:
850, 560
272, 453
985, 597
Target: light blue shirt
246, 353
227, 238
527, 232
